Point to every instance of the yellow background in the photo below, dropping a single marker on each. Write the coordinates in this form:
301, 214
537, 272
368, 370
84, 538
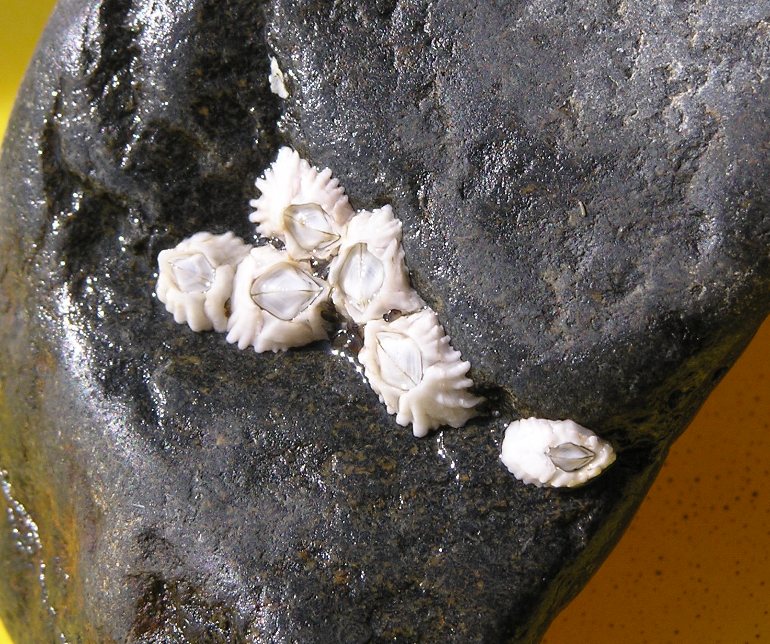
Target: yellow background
694, 565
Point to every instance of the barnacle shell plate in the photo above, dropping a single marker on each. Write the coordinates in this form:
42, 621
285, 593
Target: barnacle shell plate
195, 279
369, 276
276, 303
304, 207
417, 374
555, 453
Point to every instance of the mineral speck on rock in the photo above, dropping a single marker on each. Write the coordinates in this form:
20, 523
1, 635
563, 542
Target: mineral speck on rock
583, 191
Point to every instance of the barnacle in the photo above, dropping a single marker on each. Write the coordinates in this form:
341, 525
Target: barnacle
276, 303
195, 279
417, 374
556, 453
305, 208
368, 276
277, 80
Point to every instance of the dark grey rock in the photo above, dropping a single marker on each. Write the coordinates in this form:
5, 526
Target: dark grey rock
177, 489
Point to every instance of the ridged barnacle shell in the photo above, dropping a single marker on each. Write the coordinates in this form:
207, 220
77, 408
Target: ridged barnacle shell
555, 453
305, 208
417, 374
368, 275
195, 279
276, 303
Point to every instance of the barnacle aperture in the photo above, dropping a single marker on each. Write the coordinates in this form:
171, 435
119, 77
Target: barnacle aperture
285, 291
311, 228
400, 360
193, 273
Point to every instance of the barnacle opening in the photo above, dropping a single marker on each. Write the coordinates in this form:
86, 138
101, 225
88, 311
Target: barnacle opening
193, 273
570, 457
400, 360
361, 276
311, 226
285, 291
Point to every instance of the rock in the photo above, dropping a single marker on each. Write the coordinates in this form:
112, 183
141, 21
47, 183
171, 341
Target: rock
584, 196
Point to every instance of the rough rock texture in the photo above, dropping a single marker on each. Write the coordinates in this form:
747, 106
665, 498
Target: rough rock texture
584, 191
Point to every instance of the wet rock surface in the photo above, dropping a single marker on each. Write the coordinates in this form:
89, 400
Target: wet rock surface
584, 193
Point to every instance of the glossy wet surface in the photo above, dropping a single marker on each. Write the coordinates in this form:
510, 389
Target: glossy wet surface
732, 516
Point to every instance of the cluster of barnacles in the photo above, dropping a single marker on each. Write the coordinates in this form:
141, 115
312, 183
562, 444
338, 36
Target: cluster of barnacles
319, 252
273, 299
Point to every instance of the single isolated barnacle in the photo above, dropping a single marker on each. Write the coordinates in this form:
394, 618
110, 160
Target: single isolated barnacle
277, 80
368, 275
305, 208
277, 303
417, 374
555, 453
195, 279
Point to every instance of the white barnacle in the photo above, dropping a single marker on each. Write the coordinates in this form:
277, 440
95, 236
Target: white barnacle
368, 275
555, 453
277, 80
277, 303
417, 374
304, 207
195, 279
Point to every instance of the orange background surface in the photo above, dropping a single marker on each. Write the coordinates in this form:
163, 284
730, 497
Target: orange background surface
694, 564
